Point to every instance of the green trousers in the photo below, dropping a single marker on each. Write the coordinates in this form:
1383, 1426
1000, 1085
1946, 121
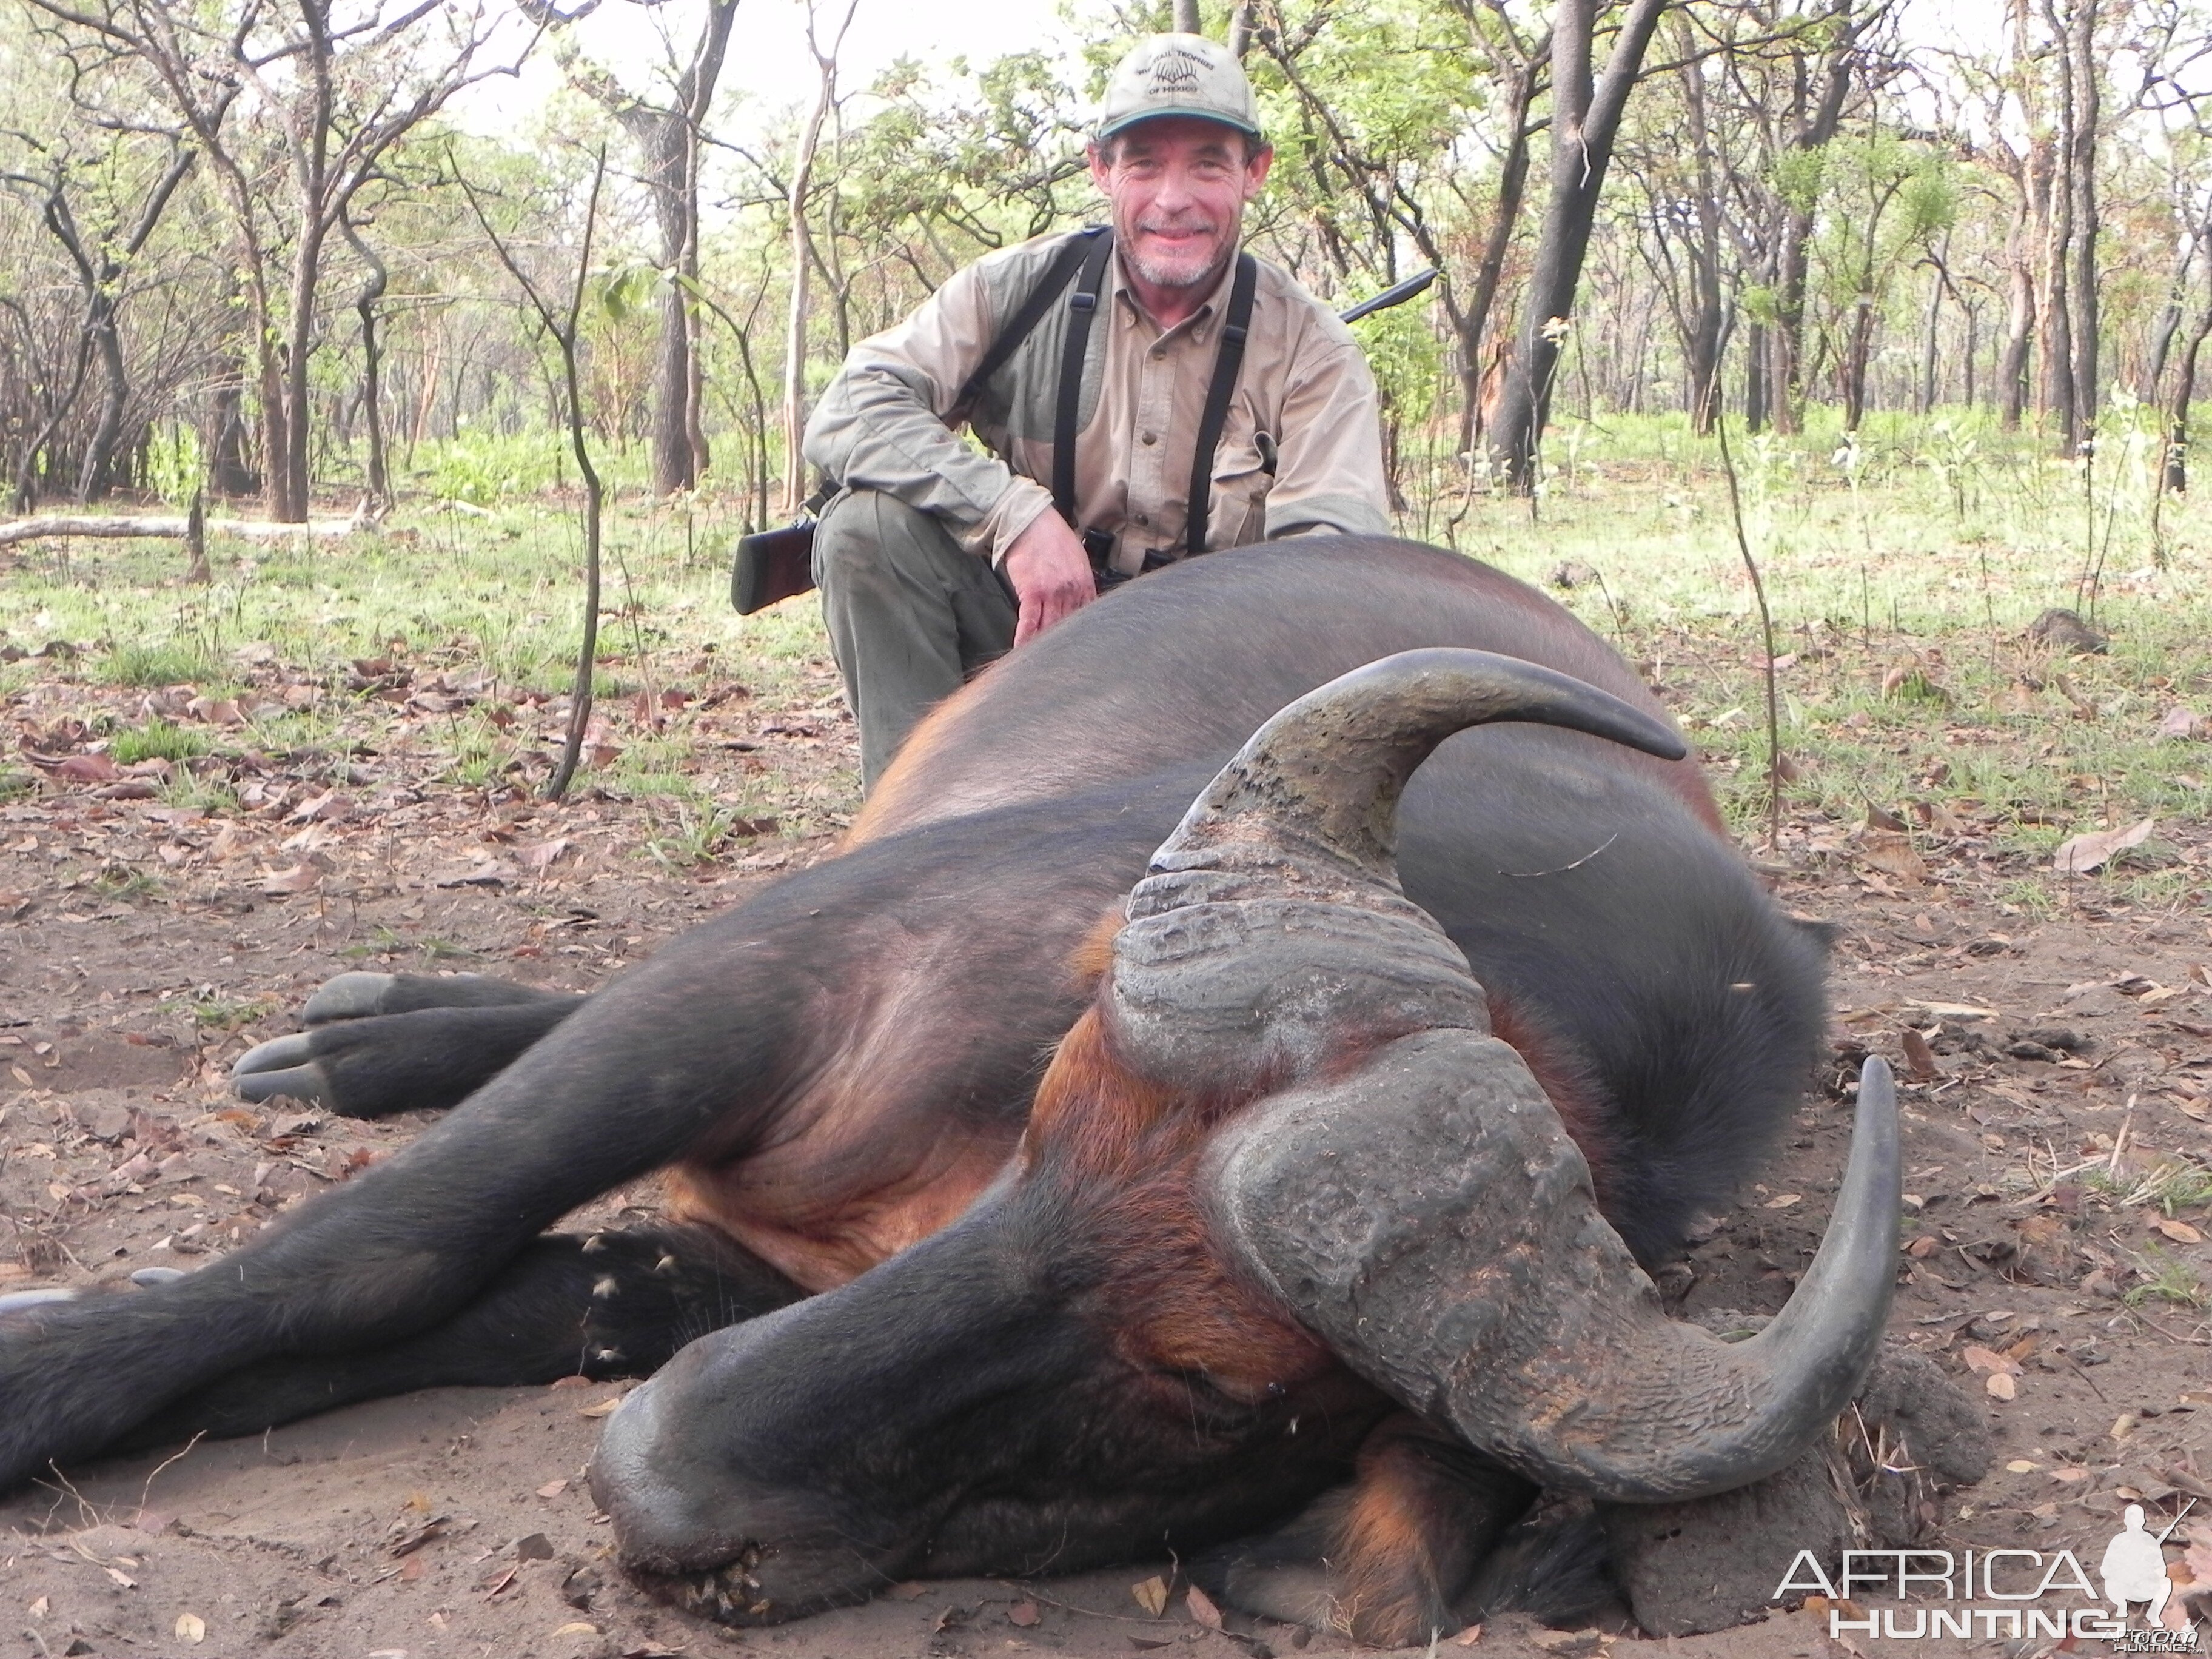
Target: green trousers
911, 614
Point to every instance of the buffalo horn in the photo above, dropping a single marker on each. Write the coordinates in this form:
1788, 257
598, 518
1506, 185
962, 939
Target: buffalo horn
1421, 1207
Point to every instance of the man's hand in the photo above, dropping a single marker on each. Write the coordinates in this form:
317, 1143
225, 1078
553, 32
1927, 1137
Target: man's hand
1051, 574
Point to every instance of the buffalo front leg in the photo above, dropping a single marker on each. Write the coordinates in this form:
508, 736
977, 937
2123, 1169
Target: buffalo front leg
1385, 1559
618, 1089
605, 1304
379, 1044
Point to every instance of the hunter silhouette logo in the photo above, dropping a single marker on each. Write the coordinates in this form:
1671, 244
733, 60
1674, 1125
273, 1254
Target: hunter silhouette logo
1177, 71
2134, 1570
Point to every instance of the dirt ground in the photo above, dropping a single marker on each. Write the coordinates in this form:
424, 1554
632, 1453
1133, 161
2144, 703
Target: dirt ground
2060, 1063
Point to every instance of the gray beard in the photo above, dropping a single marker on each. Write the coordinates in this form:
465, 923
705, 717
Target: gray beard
1162, 275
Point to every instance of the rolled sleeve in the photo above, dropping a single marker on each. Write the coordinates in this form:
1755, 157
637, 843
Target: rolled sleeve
1328, 473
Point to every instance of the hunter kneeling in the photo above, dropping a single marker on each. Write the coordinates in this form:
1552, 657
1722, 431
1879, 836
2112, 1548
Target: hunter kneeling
1146, 392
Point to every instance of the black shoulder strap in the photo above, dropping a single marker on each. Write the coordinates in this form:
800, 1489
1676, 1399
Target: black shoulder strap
1025, 321
1082, 307
1228, 359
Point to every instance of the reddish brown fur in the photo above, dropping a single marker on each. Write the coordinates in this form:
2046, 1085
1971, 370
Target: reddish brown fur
1410, 1537
1567, 1081
1126, 1149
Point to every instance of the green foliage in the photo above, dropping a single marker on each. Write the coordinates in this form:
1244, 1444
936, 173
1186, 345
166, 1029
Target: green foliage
1407, 359
175, 470
484, 468
1799, 176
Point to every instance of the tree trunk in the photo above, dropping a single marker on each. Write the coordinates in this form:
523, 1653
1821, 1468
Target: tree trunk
1187, 19
666, 138
2081, 165
1924, 398
372, 359
1585, 120
1754, 378
291, 421
1512, 187
2174, 474
2012, 387
802, 270
1816, 126
1701, 346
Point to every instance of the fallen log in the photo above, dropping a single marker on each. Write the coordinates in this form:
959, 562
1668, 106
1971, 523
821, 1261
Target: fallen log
119, 525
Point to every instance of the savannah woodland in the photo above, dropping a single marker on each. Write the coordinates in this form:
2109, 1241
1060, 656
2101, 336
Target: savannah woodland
376, 437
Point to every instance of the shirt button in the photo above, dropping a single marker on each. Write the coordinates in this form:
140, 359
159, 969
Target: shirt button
1149, 438
1158, 352
1143, 518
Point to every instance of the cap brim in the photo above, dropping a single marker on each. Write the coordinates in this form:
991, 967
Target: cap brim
1213, 115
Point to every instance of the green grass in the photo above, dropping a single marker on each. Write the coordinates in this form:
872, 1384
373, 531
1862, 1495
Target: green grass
173, 662
1918, 560
156, 739
2166, 1277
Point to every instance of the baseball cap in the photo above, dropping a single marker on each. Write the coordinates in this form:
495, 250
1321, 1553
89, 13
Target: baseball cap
1178, 74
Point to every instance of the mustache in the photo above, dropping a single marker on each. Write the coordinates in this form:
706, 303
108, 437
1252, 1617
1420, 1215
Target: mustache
1179, 227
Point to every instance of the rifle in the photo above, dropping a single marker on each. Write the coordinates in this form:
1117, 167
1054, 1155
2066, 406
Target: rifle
779, 564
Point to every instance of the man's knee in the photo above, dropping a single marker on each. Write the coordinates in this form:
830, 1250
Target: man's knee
867, 533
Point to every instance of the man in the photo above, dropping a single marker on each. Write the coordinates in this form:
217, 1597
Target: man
936, 558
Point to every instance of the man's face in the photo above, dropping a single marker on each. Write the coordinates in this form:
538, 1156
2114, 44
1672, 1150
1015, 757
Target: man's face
1178, 186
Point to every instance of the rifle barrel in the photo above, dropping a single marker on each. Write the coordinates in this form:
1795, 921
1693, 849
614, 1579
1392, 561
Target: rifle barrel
1396, 295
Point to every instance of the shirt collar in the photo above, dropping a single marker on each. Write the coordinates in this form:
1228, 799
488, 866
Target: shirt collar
1200, 323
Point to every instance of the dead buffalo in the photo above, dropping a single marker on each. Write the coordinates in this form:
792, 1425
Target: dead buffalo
1101, 1152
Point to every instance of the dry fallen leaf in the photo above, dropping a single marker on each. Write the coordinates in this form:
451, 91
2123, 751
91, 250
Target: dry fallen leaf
2086, 853
299, 878
1151, 1594
576, 1627
38, 1609
1202, 1608
1023, 1614
2179, 1231
89, 768
2021, 1466
553, 1488
1988, 1359
601, 1408
2181, 721
1919, 1059
1784, 1200
1893, 854
1468, 1637
2000, 1386
191, 1627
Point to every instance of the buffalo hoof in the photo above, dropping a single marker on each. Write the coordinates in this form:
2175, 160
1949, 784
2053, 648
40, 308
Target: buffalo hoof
285, 1066
1715, 1562
349, 996
16, 1301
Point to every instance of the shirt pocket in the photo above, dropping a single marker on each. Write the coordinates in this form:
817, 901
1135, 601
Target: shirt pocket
1243, 475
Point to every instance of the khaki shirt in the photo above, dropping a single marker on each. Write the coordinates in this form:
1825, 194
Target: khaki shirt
883, 422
